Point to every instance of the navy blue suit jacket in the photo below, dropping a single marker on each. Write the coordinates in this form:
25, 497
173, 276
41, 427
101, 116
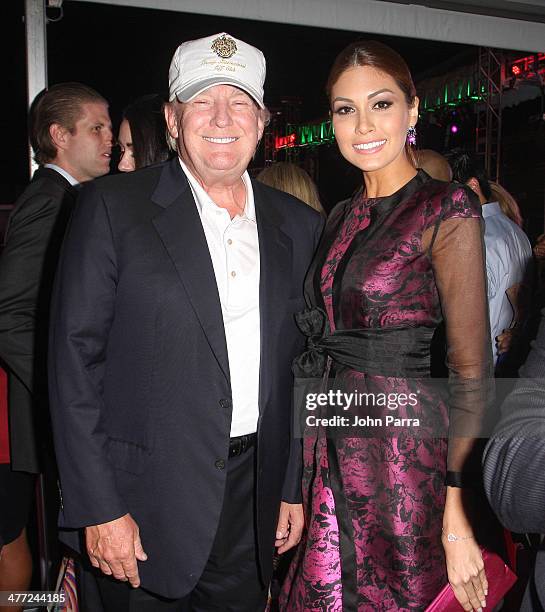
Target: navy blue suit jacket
139, 376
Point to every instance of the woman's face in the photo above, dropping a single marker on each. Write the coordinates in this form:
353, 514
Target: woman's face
371, 119
126, 161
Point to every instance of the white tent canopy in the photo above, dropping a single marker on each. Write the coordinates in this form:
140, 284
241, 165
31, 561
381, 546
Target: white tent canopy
505, 24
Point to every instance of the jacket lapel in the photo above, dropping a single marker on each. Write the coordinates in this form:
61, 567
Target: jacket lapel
180, 229
275, 254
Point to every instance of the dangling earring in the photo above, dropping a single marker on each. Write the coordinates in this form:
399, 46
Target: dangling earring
411, 135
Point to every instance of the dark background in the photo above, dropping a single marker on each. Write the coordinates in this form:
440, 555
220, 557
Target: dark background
125, 52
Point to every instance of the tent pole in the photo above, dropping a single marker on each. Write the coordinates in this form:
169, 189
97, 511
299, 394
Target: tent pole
36, 57
36, 54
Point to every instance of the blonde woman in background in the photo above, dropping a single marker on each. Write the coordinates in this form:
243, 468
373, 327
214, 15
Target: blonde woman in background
434, 164
293, 180
507, 202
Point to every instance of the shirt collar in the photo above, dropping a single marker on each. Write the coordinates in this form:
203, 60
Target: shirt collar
202, 198
491, 208
63, 172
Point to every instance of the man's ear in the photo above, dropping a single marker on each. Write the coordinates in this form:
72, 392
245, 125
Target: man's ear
171, 119
59, 135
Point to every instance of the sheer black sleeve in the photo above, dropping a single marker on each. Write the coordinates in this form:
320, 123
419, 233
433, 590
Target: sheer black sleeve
458, 260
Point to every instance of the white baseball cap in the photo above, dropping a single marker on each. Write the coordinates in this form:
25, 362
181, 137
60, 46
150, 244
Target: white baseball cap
221, 59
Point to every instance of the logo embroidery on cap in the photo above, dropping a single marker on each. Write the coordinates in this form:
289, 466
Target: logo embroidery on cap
224, 46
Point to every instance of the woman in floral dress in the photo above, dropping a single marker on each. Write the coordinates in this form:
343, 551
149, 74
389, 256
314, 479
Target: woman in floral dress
386, 513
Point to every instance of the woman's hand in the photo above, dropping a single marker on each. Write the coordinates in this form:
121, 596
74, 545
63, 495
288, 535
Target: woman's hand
465, 565
466, 575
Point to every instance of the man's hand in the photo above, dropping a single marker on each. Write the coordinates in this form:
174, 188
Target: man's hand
114, 547
504, 341
290, 526
539, 248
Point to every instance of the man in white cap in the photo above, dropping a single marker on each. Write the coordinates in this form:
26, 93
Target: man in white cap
172, 340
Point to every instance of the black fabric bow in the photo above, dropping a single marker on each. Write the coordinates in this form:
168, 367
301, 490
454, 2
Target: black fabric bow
383, 351
314, 324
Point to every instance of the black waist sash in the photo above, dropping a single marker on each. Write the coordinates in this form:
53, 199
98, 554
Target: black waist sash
385, 351
402, 352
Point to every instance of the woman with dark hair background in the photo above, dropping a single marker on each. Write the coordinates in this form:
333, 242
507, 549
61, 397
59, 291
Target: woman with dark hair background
142, 134
386, 507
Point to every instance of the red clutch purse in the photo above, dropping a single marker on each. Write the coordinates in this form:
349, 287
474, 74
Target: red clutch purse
500, 580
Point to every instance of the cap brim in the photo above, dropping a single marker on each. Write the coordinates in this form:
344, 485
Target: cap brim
188, 93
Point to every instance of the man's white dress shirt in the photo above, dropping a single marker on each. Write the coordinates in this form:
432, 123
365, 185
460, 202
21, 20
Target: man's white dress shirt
63, 172
508, 254
234, 249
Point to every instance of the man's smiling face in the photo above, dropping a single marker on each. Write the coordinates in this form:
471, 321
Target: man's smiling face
217, 132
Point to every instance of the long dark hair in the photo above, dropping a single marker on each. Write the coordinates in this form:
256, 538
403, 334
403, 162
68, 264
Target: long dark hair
148, 130
466, 165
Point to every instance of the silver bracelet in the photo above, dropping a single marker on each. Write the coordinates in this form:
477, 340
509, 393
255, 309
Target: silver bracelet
451, 537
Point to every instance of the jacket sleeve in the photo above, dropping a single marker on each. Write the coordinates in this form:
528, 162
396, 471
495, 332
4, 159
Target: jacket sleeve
22, 270
514, 458
83, 309
292, 492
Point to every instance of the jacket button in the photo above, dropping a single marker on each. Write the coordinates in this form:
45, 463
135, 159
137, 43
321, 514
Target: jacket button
225, 403
220, 464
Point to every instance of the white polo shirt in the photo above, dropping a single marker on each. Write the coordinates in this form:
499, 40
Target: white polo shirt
234, 249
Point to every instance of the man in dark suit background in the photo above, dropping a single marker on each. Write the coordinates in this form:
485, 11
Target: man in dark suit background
514, 463
71, 136
171, 345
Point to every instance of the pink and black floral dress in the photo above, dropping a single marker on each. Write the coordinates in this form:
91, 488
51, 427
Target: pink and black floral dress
387, 273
